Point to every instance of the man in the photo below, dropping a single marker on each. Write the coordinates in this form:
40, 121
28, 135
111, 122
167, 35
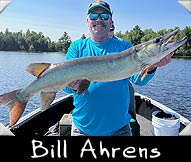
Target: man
111, 30
103, 109
135, 128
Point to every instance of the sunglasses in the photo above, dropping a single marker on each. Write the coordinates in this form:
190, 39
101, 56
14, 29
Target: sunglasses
103, 16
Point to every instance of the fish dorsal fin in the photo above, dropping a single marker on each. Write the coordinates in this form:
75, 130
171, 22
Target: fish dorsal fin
37, 69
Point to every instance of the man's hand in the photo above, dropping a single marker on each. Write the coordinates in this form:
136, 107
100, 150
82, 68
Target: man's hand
74, 85
80, 86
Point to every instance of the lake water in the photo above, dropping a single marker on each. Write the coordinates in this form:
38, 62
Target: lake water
171, 85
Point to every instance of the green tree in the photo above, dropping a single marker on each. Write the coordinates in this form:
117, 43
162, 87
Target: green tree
184, 50
64, 42
120, 35
148, 34
135, 35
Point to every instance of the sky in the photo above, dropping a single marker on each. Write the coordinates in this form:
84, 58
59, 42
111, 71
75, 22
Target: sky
54, 17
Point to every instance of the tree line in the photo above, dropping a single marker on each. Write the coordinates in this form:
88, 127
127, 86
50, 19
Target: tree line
32, 41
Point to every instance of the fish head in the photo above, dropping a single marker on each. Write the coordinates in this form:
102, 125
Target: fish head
154, 50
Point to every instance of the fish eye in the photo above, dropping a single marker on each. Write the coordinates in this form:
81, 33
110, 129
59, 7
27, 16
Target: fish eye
157, 40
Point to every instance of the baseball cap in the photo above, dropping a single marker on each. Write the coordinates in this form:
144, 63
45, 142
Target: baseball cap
100, 4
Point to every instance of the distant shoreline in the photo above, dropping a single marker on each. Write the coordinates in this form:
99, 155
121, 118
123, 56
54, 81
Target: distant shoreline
183, 57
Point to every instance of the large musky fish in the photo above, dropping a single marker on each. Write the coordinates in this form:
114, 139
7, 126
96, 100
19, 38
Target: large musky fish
52, 77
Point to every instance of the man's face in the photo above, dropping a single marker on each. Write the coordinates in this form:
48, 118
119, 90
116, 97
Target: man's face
99, 27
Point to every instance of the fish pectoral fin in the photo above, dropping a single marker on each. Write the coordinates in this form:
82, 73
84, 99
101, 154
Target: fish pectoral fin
142, 73
46, 99
137, 76
37, 69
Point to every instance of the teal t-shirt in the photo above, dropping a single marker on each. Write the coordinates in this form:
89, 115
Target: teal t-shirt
103, 109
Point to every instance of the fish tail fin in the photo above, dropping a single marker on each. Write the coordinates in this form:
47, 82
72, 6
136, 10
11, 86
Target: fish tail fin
16, 107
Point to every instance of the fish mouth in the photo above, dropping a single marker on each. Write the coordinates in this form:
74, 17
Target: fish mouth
182, 41
154, 50
167, 44
161, 40
165, 38
168, 38
172, 46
